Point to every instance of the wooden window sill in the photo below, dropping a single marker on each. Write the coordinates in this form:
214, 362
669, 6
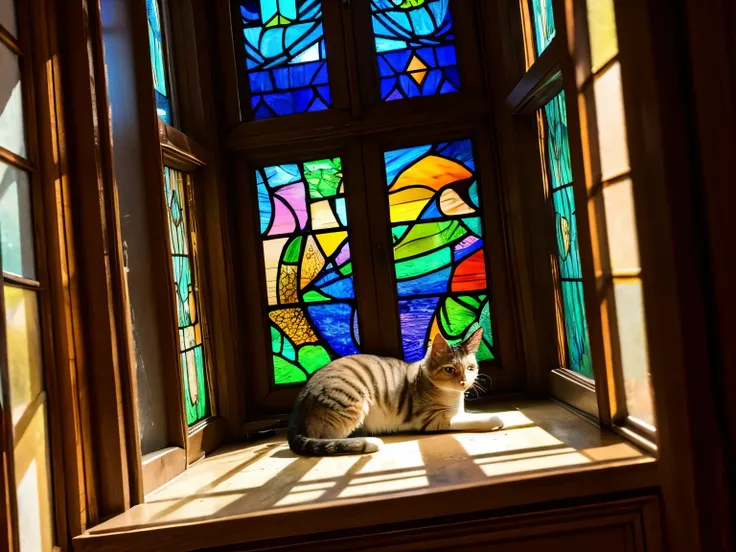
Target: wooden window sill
258, 492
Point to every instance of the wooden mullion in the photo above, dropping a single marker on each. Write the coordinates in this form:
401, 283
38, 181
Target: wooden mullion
10, 41
19, 281
15, 160
541, 83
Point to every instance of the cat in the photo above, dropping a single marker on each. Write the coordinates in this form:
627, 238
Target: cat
366, 394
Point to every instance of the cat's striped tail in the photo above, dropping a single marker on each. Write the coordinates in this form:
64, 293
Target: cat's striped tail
306, 446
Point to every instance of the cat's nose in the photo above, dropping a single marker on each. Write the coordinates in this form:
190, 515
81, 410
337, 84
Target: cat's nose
462, 382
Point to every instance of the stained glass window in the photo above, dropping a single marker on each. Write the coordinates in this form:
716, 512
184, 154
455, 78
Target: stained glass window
439, 259
156, 47
415, 47
191, 342
544, 23
309, 273
568, 253
285, 56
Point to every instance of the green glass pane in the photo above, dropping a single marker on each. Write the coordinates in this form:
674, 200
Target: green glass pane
424, 265
16, 222
565, 228
158, 64
286, 372
324, 177
544, 24
313, 357
191, 343
293, 250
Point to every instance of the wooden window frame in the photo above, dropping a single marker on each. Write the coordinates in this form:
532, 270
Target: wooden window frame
164, 145
359, 131
30, 47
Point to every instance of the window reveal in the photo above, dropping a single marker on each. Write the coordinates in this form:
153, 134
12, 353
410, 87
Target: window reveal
191, 342
156, 46
308, 269
439, 259
415, 48
568, 254
286, 57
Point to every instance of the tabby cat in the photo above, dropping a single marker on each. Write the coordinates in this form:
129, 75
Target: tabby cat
373, 395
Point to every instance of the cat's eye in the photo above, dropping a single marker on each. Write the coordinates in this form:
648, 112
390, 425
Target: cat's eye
471, 368
450, 369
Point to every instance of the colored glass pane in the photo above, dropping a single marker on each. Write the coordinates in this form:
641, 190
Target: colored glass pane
602, 32
156, 47
12, 126
568, 252
16, 222
191, 342
309, 281
439, 259
544, 24
285, 56
415, 48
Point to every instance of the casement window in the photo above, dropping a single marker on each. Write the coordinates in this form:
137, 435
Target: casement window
589, 193
29, 412
368, 214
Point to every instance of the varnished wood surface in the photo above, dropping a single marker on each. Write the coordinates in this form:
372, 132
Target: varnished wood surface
261, 491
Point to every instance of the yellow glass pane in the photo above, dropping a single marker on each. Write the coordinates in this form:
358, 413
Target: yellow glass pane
330, 242
634, 354
609, 105
602, 32
271, 255
322, 216
24, 349
621, 224
33, 484
12, 133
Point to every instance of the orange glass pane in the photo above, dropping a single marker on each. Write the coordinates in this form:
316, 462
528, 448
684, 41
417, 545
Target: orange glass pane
621, 224
634, 354
609, 104
602, 32
25, 364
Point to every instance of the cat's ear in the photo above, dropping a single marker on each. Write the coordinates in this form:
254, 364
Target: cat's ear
440, 348
471, 344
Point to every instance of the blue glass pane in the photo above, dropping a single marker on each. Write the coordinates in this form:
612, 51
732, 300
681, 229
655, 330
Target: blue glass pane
568, 251
158, 65
415, 48
285, 56
544, 23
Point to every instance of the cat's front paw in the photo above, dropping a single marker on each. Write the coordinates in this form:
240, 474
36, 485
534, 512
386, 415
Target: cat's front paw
494, 423
372, 444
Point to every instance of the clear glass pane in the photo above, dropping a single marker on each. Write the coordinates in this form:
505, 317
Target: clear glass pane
309, 270
602, 32
33, 483
415, 48
191, 341
621, 224
12, 133
16, 222
25, 364
286, 56
565, 228
634, 354
158, 62
439, 257
544, 24
609, 105
7, 16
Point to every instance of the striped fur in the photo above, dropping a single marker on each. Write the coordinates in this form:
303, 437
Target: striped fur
376, 395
